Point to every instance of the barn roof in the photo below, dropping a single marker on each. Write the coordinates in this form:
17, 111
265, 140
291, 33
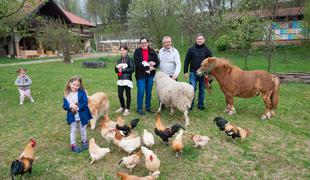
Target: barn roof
37, 5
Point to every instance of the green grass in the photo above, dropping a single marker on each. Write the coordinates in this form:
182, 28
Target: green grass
276, 149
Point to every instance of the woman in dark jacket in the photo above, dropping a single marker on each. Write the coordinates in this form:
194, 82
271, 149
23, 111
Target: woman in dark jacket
146, 61
124, 68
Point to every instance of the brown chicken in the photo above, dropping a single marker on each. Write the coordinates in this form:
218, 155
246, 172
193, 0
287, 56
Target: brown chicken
125, 176
200, 140
24, 164
177, 144
234, 131
163, 132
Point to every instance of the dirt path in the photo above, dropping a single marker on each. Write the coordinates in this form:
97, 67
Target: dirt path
75, 57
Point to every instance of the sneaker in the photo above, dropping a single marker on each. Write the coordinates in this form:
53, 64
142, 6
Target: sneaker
85, 145
126, 112
140, 112
120, 110
201, 108
32, 100
21, 103
150, 111
75, 148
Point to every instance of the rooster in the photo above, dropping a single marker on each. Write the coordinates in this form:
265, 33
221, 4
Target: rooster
106, 132
220, 122
163, 132
234, 131
152, 163
95, 151
200, 140
128, 144
124, 128
148, 138
177, 144
131, 161
24, 164
125, 176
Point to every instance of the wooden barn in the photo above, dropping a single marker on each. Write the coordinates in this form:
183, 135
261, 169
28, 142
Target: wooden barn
27, 46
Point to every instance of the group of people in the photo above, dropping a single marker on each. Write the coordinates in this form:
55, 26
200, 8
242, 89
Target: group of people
145, 61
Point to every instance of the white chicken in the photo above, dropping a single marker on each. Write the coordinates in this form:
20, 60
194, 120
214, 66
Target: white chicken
148, 138
131, 161
128, 144
107, 133
152, 163
200, 140
95, 151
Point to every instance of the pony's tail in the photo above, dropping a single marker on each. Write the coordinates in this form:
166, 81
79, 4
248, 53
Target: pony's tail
275, 92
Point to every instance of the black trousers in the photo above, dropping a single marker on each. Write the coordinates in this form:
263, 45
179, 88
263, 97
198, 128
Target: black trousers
121, 90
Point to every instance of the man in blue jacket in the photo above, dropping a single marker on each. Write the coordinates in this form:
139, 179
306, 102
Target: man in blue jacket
195, 55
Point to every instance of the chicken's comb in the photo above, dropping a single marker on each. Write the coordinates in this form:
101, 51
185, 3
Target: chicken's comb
33, 141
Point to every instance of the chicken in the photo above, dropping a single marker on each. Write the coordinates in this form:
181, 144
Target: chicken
200, 140
152, 163
131, 161
163, 132
128, 144
95, 151
148, 138
24, 164
243, 132
234, 131
124, 128
109, 123
125, 176
220, 122
177, 144
106, 132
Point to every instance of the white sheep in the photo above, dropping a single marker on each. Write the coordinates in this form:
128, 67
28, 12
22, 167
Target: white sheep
174, 94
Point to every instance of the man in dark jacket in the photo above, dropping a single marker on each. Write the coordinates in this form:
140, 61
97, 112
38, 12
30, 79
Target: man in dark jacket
195, 55
146, 61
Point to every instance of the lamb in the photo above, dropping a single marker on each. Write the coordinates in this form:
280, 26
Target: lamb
174, 94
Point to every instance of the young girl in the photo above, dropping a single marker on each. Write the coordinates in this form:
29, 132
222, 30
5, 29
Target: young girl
76, 104
124, 69
23, 82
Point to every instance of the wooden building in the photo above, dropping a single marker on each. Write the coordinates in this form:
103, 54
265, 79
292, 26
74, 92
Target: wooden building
28, 47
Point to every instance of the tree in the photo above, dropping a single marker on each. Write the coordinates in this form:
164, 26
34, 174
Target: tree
55, 35
154, 19
245, 31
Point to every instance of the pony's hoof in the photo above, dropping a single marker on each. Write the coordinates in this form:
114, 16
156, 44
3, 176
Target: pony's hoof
231, 112
265, 117
272, 113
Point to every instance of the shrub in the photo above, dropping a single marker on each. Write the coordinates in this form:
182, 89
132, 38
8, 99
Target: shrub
223, 43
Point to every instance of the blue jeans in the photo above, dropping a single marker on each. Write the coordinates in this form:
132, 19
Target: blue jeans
193, 79
144, 85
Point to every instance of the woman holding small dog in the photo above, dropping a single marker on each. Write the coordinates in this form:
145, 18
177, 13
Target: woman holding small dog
124, 69
75, 102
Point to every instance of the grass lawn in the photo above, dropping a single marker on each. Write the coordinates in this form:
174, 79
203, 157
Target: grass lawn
276, 149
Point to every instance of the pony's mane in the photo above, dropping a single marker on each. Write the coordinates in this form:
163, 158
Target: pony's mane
225, 63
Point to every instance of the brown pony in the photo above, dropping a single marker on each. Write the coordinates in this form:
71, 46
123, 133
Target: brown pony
245, 84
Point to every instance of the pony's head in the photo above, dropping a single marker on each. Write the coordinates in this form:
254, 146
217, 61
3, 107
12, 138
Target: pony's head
212, 63
207, 66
